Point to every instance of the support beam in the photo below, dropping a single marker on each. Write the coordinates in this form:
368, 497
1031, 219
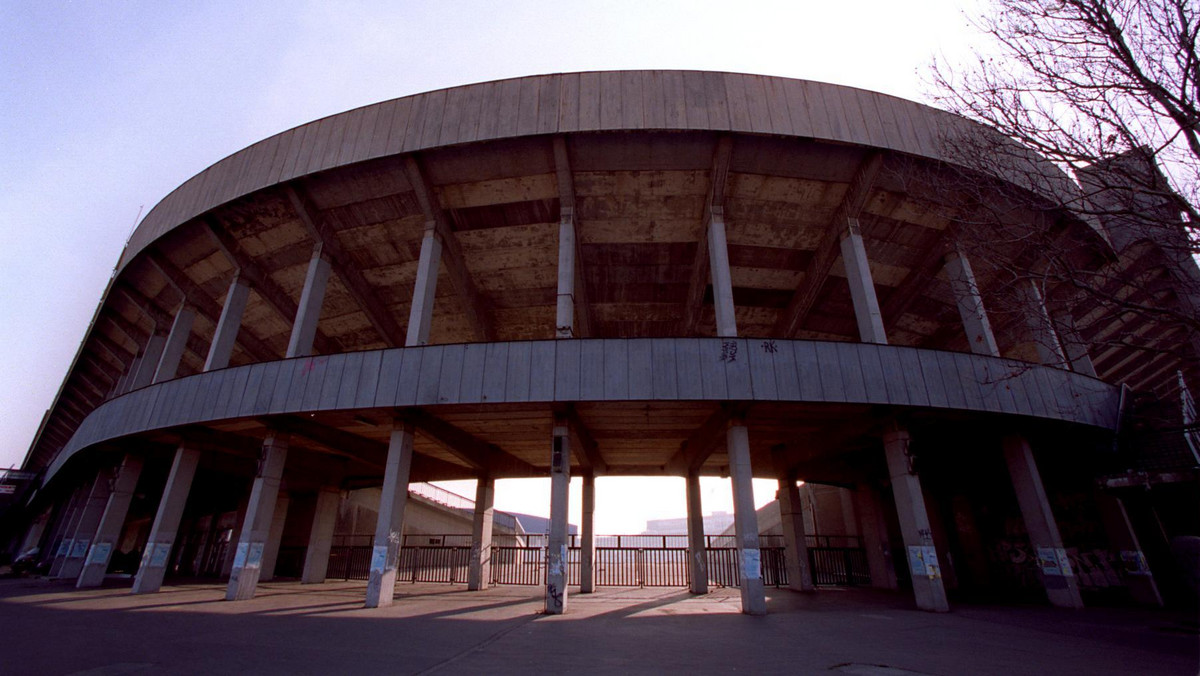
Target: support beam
862, 287
346, 268
1074, 346
172, 352
159, 318
157, 555
260, 280
1122, 537
923, 563
697, 552
220, 351
1041, 328
970, 304
260, 512
320, 537
275, 536
722, 278
901, 298
108, 533
85, 528
587, 537
389, 530
874, 537
207, 307
64, 531
583, 444
805, 296
1062, 588
420, 314
556, 546
304, 329
745, 520
574, 313
477, 453
795, 540
478, 313
700, 278
700, 444
147, 364
479, 568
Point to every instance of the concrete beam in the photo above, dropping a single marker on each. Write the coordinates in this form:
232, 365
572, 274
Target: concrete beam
347, 270
805, 296
700, 278
583, 444
862, 286
477, 311
571, 287
172, 353
476, 452
228, 326
701, 443
308, 312
970, 304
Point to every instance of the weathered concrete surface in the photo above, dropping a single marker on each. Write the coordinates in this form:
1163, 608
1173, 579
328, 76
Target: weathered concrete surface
52, 628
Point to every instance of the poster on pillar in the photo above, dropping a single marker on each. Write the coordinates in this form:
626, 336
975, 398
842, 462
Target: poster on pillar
1048, 561
161, 551
923, 562
239, 559
379, 558
254, 556
63, 547
99, 553
751, 564
79, 548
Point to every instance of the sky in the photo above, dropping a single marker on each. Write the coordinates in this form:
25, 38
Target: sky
105, 107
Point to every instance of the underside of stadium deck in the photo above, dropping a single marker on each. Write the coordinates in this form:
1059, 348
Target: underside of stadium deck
597, 274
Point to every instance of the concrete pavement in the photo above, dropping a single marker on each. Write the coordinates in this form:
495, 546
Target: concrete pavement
52, 628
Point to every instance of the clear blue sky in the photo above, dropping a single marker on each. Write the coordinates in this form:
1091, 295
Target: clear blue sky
105, 107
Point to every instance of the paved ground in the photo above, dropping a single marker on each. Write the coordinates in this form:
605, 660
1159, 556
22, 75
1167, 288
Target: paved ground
51, 628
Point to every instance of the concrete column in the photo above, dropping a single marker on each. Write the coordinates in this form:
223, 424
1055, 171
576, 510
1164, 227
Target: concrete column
874, 537
235, 536
1062, 588
791, 516
320, 537
172, 354
225, 335
275, 537
1041, 328
389, 529
556, 548
420, 314
862, 287
587, 540
479, 572
923, 563
1123, 538
745, 520
564, 324
697, 551
147, 363
109, 531
260, 512
722, 280
89, 521
55, 537
970, 305
308, 313
1074, 346
68, 526
165, 530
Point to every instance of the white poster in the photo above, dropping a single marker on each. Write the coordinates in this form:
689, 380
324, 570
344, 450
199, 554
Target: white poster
99, 553
254, 557
158, 558
239, 559
379, 558
751, 564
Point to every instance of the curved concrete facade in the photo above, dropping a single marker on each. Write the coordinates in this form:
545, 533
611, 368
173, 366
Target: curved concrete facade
626, 273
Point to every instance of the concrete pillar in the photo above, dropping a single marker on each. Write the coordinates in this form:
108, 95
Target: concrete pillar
564, 324
235, 536
479, 571
53, 542
970, 305
1041, 328
420, 314
1062, 588
587, 540
225, 335
697, 551
1123, 538
1075, 346
308, 313
923, 563
389, 529
165, 530
172, 353
320, 536
89, 521
795, 543
874, 537
722, 280
68, 526
862, 287
260, 512
275, 537
745, 520
556, 547
108, 533
147, 363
